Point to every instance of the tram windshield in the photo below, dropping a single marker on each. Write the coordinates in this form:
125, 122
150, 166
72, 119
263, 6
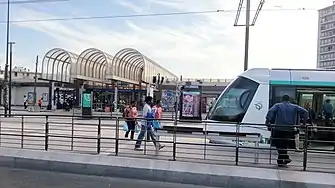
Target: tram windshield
233, 103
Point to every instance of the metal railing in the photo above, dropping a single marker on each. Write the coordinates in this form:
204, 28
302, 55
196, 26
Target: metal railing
183, 141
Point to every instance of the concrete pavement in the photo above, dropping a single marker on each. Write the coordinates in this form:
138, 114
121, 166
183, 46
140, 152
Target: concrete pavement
20, 178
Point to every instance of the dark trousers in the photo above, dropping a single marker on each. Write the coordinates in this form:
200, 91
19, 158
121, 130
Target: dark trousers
282, 140
131, 128
328, 121
25, 105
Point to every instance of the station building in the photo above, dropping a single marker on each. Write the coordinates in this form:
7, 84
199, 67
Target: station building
126, 76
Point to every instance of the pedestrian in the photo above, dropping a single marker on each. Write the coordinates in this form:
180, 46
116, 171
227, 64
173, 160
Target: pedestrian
327, 110
40, 101
311, 121
296, 131
157, 108
147, 126
25, 102
285, 117
131, 119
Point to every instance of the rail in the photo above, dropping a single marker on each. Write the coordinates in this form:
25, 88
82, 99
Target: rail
183, 140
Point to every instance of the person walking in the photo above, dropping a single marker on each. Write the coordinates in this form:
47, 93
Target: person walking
296, 131
327, 110
40, 102
284, 115
25, 102
157, 108
146, 126
131, 116
311, 121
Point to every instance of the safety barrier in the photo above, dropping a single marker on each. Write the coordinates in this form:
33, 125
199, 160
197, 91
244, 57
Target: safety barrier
241, 144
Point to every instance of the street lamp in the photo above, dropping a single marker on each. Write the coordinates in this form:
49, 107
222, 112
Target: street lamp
10, 77
6, 67
5, 96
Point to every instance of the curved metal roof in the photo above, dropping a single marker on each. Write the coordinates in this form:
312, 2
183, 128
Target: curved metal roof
127, 63
92, 64
130, 64
56, 65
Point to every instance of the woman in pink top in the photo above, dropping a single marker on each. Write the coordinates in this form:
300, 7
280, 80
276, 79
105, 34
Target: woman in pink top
131, 122
159, 110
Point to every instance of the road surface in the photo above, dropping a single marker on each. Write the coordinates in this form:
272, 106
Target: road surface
18, 178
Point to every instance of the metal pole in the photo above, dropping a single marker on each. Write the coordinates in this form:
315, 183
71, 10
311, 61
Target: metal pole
10, 77
115, 96
6, 67
246, 47
35, 82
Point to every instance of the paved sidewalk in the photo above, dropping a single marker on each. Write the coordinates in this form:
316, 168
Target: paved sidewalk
19, 178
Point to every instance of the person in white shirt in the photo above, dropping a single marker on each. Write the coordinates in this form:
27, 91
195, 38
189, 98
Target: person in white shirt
146, 127
25, 102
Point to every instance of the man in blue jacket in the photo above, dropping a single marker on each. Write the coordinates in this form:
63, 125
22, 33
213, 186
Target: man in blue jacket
285, 117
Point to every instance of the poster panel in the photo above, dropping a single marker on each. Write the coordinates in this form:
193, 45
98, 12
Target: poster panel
191, 104
45, 97
86, 103
30, 98
168, 100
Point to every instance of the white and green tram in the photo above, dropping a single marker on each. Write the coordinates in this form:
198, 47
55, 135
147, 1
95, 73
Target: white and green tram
246, 100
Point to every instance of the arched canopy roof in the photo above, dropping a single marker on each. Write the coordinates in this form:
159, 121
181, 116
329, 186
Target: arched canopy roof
56, 65
92, 65
129, 64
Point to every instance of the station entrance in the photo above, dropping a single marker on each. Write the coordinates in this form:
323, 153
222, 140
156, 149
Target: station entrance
64, 98
103, 98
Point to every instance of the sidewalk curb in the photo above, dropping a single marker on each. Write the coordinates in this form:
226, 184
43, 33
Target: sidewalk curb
166, 171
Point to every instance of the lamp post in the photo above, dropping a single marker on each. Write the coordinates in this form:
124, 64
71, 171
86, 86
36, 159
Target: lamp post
10, 77
35, 83
5, 96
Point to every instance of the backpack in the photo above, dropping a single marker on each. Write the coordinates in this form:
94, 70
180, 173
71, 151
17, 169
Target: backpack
151, 116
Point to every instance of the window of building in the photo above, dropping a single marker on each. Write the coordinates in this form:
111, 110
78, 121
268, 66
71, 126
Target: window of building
330, 48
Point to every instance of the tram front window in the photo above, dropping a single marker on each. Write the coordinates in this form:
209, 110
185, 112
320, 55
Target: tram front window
234, 101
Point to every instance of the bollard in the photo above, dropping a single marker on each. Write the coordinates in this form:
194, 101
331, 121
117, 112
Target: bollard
46, 137
117, 136
99, 137
22, 131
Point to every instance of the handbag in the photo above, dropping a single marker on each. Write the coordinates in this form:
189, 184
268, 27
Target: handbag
137, 129
125, 127
156, 124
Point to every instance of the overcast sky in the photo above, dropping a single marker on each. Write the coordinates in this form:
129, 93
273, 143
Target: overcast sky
201, 46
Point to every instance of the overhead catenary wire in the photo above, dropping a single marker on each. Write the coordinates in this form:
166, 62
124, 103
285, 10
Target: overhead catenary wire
145, 15
31, 1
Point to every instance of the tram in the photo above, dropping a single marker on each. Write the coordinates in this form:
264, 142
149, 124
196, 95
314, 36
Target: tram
247, 98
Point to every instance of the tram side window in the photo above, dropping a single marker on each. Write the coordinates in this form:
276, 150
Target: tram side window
234, 101
279, 91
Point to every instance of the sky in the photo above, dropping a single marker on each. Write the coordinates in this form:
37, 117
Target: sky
195, 46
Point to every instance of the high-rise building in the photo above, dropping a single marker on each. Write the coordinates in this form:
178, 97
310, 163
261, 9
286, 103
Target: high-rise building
326, 38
